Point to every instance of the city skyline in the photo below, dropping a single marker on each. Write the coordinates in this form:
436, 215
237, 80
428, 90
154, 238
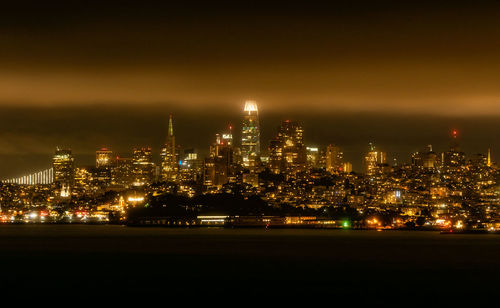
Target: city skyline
168, 159
335, 150
198, 136
85, 76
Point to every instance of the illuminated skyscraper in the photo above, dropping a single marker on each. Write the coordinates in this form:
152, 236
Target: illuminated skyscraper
287, 152
169, 164
313, 157
104, 163
63, 163
373, 159
250, 135
219, 168
123, 172
144, 168
453, 159
333, 159
425, 159
190, 167
104, 158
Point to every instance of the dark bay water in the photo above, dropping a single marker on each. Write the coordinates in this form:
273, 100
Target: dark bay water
121, 259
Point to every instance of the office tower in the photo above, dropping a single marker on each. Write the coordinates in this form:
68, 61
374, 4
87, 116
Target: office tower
169, 162
426, 159
454, 158
104, 164
123, 172
84, 179
63, 163
104, 158
219, 167
333, 159
479, 160
287, 152
275, 156
144, 168
313, 157
190, 166
347, 167
373, 159
250, 136
429, 158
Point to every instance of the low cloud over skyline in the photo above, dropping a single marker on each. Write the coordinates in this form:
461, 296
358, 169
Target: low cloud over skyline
358, 57
399, 74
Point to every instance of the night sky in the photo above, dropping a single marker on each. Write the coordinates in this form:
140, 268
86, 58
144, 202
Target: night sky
400, 74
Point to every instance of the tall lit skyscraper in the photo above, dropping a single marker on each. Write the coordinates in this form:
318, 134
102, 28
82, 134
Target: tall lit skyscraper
169, 164
287, 152
144, 167
104, 158
454, 158
219, 168
374, 158
250, 135
63, 163
425, 159
123, 172
104, 161
313, 157
333, 159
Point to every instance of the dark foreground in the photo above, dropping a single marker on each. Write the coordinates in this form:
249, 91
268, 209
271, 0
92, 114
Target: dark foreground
149, 262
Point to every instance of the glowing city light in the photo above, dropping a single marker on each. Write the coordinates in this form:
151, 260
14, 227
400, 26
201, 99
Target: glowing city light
251, 106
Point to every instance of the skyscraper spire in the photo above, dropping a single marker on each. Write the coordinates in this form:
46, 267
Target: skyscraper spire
170, 127
169, 165
489, 157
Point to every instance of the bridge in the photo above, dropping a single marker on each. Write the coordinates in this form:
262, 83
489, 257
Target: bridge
43, 177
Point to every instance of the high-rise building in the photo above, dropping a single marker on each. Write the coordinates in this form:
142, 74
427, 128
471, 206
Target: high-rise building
287, 152
63, 163
333, 159
347, 167
426, 159
219, 167
84, 179
104, 165
123, 171
373, 159
454, 158
190, 166
169, 162
104, 158
250, 135
144, 168
313, 157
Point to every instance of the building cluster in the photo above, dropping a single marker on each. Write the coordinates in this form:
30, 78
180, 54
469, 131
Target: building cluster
440, 189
